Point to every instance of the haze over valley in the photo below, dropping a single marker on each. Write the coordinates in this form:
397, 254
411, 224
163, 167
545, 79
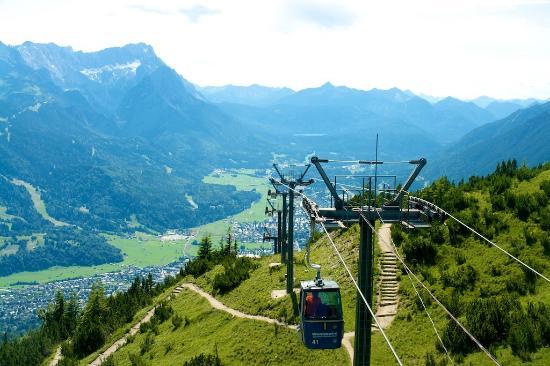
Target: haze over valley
151, 153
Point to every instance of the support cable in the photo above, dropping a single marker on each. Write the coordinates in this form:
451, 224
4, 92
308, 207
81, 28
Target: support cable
362, 296
478, 343
430, 317
484, 238
423, 304
371, 162
353, 280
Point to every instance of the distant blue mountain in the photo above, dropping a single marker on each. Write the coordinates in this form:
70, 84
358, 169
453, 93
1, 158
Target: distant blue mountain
455, 117
501, 109
524, 136
329, 108
254, 95
485, 101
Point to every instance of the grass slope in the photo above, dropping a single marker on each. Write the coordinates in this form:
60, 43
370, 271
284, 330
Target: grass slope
39, 204
237, 341
411, 333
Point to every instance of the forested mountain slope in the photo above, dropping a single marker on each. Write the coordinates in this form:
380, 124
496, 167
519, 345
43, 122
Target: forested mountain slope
99, 169
523, 136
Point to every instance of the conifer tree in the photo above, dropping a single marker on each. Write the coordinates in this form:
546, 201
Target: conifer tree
205, 250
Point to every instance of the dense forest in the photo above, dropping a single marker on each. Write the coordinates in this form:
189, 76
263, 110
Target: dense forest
498, 300
87, 328
61, 247
37, 243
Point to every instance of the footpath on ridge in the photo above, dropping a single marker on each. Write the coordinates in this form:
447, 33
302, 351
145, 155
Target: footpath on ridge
387, 303
387, 289
216, 304
388, 284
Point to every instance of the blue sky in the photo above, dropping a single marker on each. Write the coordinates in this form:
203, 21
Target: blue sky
462, 48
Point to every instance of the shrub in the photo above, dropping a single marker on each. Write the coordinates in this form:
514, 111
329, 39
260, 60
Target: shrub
204, 360
420, 250
525, 204
235, 271
426, 299
397, 234
437, 233
498, 203
452, 301
137, 360
197, 267
461, 277
109, 361
68, 361
545, 187
163, 312
176, 321
489, 319
430, 359
148, 343
530, 235
523, 338
544, 218
529, 330
546, 245
456, 340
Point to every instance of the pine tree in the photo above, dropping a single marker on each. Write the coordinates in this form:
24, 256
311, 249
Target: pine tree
71, 314
92, 329
205, 250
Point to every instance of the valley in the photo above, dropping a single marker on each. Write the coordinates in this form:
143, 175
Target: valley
120, 180
142, 249
143, 253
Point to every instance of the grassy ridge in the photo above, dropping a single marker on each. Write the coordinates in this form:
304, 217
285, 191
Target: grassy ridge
237, 341
411, 333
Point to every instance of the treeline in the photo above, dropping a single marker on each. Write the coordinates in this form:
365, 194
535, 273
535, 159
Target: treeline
63, 246
501, 321
487, 298
87, 328
235, 269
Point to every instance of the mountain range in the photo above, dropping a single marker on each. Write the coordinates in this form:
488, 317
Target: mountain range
116, 136
106, 149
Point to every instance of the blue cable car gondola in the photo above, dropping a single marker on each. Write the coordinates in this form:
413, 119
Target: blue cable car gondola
321, 320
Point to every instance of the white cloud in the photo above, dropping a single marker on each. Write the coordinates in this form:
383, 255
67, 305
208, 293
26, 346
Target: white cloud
196, 12
325, 14
149, 9
441, 47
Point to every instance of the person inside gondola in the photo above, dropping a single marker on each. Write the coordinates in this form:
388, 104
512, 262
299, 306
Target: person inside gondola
313, 305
